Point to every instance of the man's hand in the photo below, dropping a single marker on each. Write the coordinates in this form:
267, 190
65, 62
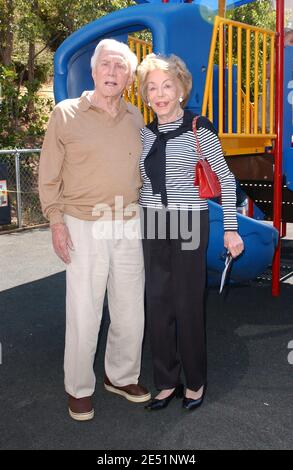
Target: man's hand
234, 243
62, 241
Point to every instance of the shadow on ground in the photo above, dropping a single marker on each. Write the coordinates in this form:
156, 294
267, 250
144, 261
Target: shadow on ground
250, 381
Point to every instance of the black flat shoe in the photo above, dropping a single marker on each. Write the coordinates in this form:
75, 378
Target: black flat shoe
190, 404
156, 404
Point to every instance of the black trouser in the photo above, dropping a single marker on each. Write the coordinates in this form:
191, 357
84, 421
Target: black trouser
175, 287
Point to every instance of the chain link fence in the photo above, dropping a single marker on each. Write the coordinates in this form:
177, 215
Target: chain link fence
22, 187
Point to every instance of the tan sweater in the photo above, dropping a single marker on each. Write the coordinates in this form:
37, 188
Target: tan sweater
89, 158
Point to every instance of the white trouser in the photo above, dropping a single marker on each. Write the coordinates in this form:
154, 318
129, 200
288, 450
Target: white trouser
97, 263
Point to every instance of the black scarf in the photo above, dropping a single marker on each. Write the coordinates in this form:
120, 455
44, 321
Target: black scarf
155, 161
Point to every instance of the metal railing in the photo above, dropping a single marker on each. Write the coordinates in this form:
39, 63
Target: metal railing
141, 49
251, 109
238, 114
22, 186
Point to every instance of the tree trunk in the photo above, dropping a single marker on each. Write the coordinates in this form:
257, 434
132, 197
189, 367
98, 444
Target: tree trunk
31, 62
31, 74
7, 35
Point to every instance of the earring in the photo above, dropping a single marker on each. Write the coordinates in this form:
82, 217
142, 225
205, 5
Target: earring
180, 99
149, 104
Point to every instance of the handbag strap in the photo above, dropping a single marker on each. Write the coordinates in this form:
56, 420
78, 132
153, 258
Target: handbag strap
198, 147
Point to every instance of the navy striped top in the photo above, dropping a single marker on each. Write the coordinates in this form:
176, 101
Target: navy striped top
181, 158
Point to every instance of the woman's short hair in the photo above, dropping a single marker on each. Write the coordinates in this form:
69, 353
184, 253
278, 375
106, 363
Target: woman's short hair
171, 64
115, 46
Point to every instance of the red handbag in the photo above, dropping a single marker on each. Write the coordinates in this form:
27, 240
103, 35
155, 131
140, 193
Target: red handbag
205, 177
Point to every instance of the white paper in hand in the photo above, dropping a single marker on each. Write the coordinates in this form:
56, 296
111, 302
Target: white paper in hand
228, 263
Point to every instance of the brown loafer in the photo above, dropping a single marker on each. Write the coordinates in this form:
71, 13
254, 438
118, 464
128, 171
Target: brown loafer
132, 392
80, 409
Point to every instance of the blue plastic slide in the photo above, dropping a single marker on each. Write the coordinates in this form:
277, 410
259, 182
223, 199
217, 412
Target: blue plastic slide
173, 29
260, 240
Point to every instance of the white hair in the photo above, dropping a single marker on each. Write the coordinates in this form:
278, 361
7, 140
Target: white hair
115, 46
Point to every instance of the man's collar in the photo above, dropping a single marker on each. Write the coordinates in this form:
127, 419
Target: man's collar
85, 104
84, 101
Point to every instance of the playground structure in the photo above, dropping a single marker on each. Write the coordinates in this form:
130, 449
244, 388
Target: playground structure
252, 141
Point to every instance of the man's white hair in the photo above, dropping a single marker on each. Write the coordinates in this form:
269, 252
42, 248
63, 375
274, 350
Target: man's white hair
115, 46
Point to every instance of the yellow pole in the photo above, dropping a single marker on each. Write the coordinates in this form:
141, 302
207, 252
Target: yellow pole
211, 104
256, 70
272, 84
221, 81
222, 65
239, 87
209, 77
230, 79
264, 84
138, 55
145, 109
247, 101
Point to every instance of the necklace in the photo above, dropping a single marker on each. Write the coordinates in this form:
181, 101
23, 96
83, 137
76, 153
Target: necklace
179, 116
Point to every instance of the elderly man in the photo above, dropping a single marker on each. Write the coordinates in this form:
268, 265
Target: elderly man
88, 181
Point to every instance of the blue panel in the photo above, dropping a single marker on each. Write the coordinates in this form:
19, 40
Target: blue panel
288, 96
288, 117
79, 76
288, 166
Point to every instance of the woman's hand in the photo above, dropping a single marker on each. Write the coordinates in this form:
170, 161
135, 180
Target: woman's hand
234, 243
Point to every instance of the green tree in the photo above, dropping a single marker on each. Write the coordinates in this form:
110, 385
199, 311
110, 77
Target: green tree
259, 13
63, 17
29, 31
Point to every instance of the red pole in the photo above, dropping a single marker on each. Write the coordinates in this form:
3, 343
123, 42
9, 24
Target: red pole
278, 174
250, 208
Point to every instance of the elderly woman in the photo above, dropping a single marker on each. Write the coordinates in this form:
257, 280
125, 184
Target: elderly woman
89, 172
176, 273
